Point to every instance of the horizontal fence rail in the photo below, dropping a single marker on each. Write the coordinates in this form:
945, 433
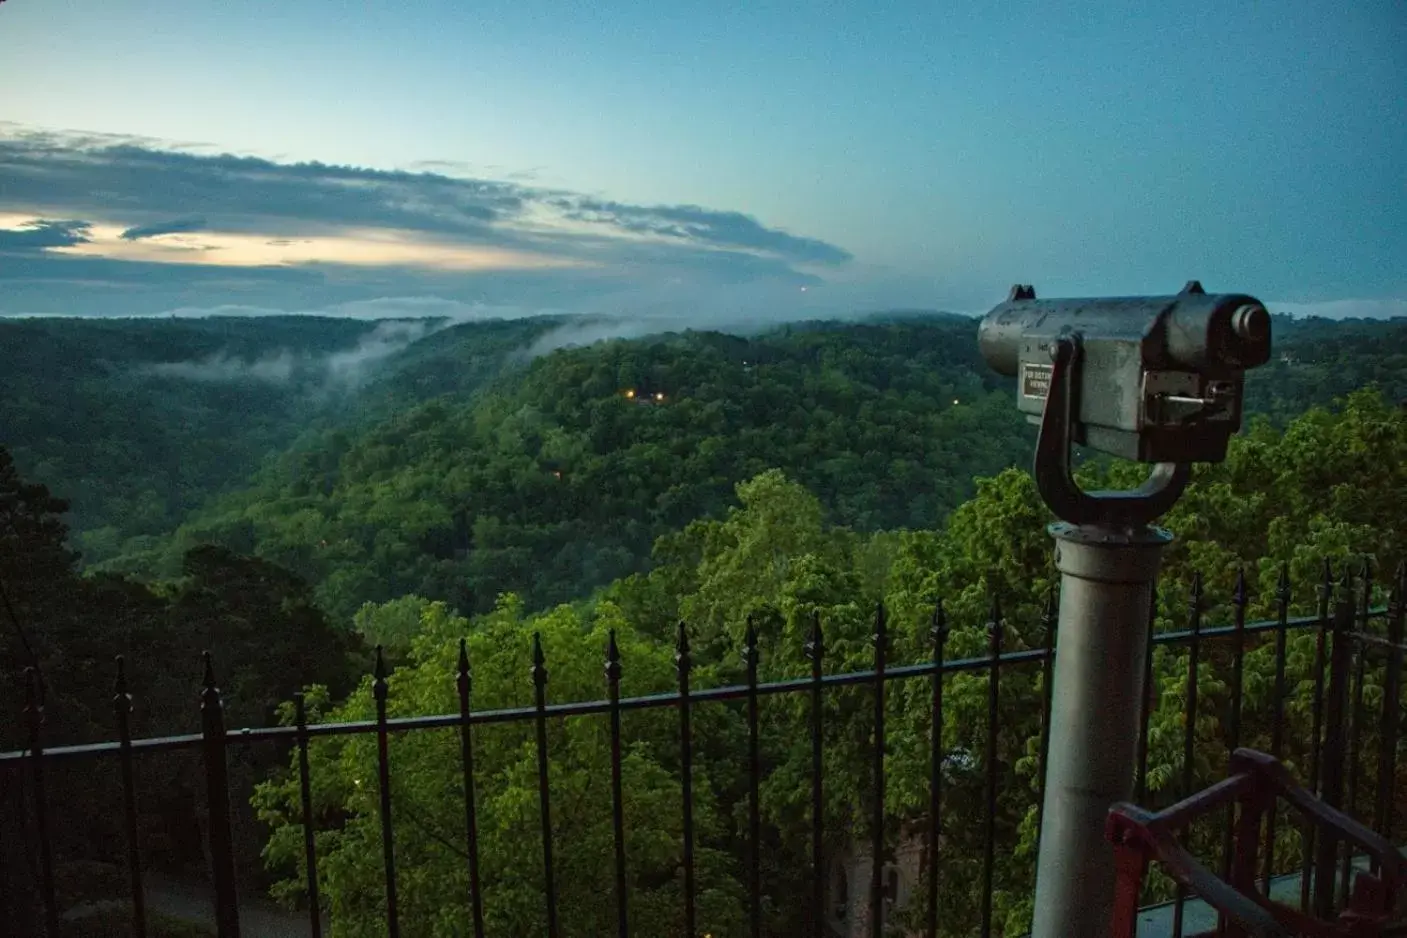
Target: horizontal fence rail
590, 707
1352, 636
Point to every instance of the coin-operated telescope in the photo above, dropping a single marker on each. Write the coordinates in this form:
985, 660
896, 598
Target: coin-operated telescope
1156, 379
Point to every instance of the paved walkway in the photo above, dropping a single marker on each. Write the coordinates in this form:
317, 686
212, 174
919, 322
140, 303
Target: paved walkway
261, 918
194, 902
1198, 917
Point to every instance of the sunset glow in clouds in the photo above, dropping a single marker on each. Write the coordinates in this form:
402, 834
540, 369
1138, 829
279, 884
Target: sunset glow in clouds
366, 247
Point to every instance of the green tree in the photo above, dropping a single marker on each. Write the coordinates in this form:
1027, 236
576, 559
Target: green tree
392, 625
554, 481
428, 793
774, 565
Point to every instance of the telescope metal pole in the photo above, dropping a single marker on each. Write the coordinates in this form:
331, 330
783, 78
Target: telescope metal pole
1106, 581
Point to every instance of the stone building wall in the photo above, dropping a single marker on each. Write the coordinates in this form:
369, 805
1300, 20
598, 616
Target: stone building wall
848, 895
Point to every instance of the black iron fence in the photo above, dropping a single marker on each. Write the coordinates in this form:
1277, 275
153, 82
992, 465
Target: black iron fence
1358, 656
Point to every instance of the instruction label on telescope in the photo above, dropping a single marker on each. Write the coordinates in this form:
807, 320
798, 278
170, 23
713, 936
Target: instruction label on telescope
1035, 380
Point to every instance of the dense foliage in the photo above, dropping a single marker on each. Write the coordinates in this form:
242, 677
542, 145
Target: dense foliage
386, 471
95, 409
1318, 360
773, 562
59, 638
463, 489
139, 421
553, 481
559, 479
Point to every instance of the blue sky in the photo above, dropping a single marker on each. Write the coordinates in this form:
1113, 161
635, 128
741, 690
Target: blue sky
695, 158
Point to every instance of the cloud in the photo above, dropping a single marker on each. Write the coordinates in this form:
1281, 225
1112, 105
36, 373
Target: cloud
118, 225
42, 234
428, 307
350, 366
399, 313
168, 229
738, 309
703, 226
144, 187
587, 330
237, 192
176, 226
49, 267
323, 373
276, 368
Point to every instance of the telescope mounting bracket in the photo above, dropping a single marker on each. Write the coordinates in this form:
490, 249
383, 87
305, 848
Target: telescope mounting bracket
1054, 476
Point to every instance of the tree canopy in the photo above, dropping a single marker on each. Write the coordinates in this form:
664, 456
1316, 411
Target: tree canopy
756, 489
773, 563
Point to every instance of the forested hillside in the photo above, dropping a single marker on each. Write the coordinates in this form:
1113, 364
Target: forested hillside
559, 478
108, 412
137, 422
1317, 360
380, 458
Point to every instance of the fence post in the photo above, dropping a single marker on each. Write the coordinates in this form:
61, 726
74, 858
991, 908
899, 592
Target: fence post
1392, 706
217, 795
1335, 710
122, 708
754, 776
464, 685
1316, 750
989, 817
544, 795
305, 794
34, 711
617, 794
683, 663
380, 692
1277, 726
938, 632
815, 651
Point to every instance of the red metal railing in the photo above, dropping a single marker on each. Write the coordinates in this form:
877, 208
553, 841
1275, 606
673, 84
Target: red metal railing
1256, 782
